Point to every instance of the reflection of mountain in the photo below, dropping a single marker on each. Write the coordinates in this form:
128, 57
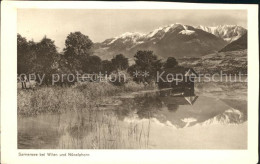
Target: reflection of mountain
181, 111
204, 111
230, 116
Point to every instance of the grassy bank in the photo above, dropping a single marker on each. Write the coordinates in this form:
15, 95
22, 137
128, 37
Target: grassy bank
56, 99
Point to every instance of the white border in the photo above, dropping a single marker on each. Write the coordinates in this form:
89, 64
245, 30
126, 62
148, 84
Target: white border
9, 93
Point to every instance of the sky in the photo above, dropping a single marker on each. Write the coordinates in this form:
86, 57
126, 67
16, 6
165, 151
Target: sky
99, 25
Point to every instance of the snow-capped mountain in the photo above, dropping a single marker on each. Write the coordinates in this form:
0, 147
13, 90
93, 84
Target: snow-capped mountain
128, 37
229, 33
176, 40
239, 44
134, 38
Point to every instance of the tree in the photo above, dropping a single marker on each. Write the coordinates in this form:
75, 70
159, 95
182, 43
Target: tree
24, 56
170, 63
37, 58
120, 62
147, 64
46, 50
22, 50
107, 66
145, 59
77, 50
93, 64
45, 56
61, 68
77, 44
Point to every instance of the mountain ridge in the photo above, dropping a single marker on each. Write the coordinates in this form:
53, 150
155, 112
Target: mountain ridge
228, 33
239, 44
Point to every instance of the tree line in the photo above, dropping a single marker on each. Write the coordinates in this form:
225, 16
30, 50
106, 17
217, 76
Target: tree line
77, 57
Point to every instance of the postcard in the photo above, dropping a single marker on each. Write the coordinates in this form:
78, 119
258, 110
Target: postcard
129, 82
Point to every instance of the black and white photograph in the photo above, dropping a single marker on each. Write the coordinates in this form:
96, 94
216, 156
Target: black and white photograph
129, 82
131, 79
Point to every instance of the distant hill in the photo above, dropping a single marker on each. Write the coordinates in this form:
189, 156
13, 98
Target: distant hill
229, 33
175, 40
239, 44
230, 62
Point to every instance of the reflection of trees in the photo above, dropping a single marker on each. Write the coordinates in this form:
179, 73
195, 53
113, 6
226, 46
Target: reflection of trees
144, 107
172, 107
148, 106
83, 124
80, 129
126, 109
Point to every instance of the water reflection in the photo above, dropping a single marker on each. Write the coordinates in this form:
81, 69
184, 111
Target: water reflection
128, 124
149, 105
173, 99
181, 109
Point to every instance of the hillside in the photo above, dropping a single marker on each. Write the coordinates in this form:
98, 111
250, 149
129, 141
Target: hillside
175, 40
239, 44
230, 62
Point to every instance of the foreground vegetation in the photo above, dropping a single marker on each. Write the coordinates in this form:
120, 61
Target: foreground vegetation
90, 129
84, 127
55, 99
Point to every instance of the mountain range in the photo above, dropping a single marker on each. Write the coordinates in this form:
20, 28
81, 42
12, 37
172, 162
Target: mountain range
229, 33
175, 40
239, 44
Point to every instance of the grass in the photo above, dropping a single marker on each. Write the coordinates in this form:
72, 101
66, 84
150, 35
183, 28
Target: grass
55, 99
105, 132
91, 129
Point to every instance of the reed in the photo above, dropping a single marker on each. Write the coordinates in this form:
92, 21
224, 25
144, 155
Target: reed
105, 132
55, 99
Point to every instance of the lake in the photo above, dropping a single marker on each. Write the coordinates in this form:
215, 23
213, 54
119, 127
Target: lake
212, 117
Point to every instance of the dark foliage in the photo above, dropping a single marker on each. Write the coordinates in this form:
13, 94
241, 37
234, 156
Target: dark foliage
170, 63
77, 50
120, 62
37, 58
145, 62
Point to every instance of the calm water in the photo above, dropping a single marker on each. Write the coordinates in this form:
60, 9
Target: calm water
140, 120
